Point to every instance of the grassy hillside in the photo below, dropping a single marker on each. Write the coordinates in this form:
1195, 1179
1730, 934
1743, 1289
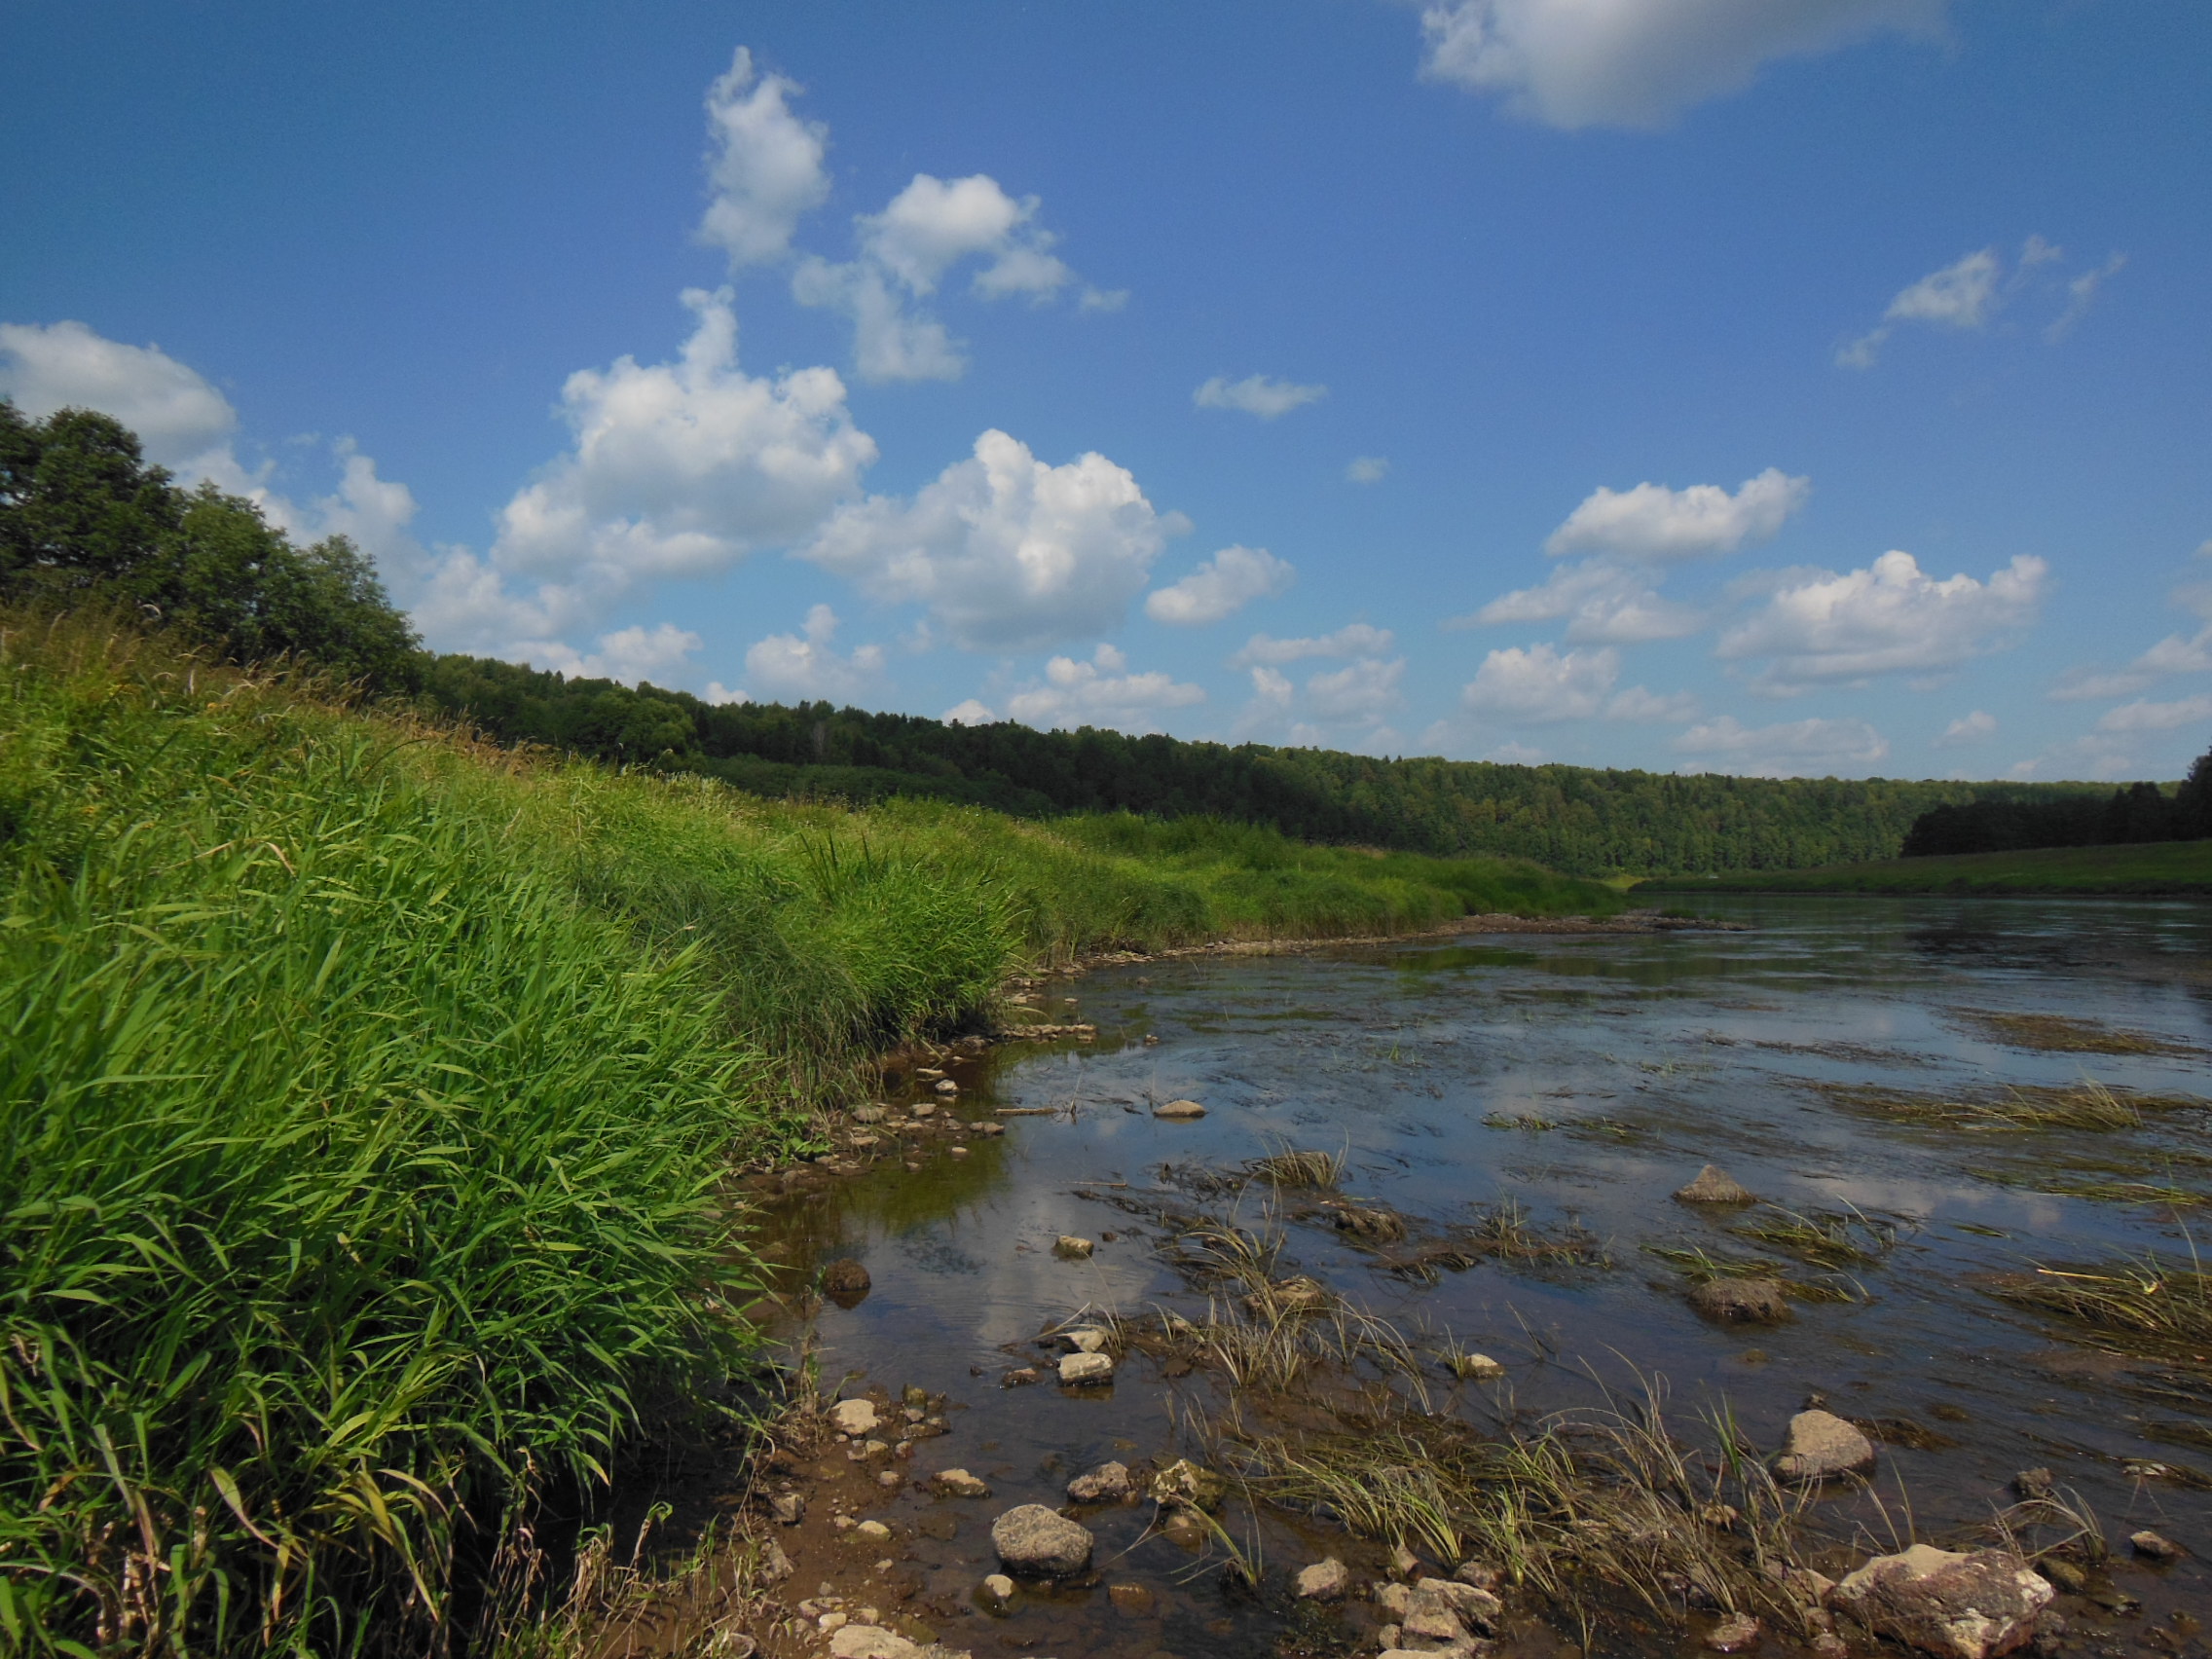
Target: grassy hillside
1573, 818
364, 1092
2145, 869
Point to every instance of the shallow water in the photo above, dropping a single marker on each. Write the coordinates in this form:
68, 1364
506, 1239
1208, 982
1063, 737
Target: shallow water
1584, 1079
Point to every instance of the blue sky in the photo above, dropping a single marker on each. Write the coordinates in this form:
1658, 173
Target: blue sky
1693, 385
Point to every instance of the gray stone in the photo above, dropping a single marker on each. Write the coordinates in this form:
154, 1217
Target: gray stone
1038, 1541
2034, 1484
1956, 1605
1086, 1341
1087, 1368
1190, 1485
1475, 1606
1742, 1301
1324, 1581
1819, 1446
789, 1508
1475, 1367
2154, 1545
996, 1591
869, 1641
1713, 1185
1733, 1634
1109, 1482
853, 1417
1179, 1111
1393, 1601
958, 1483
947, 1086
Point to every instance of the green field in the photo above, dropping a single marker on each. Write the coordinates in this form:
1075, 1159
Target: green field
2147, 868
368, 1097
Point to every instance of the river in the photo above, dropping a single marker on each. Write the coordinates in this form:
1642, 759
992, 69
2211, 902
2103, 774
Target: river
1903, 1078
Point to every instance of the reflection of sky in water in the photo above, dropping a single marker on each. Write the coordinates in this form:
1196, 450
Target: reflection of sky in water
1583, 1078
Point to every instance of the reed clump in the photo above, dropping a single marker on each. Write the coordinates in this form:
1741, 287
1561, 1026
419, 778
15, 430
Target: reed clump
2085, 1105
364, 1095
2149, 1306
2063, 1034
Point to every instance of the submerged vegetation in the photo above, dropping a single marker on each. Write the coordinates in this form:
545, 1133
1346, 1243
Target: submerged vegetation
2152, 1306
366, 1090
2021, 1107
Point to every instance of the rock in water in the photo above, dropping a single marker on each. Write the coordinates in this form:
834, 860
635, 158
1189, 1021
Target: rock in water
868, 1641
1324, 1581
958, 1483
2156, 1545
1189, 1484
1109, 1482
1087, 1368
1035, 1540
1734, 1634
1961, 1607
1179, 1110
853, 1417
1713, 1185
1071, 1248
1821, 1445
996, 1591
1742, 1301
845, 1282
1472, 1604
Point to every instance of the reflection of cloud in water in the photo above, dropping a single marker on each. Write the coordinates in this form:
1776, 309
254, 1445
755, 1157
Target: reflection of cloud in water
1934, 1201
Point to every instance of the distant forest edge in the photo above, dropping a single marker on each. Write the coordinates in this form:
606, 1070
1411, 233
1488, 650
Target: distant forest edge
1577, 818
86, 521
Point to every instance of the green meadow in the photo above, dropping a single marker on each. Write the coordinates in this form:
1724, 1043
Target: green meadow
2144, 868
367, 1093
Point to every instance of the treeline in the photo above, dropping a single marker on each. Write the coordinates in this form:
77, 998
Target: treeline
1577, 818
85, 519
2133, 814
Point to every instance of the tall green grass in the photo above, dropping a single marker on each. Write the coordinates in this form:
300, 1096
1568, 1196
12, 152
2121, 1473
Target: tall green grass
363, 1092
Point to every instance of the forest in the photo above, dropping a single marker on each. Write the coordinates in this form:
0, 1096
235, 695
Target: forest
1584, 820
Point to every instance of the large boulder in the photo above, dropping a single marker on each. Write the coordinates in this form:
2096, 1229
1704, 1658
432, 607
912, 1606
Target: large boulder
1039, 1542
1821, 1445
1713, 1185
1958, 1606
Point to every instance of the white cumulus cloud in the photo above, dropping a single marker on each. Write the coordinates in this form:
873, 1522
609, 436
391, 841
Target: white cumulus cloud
1257, 394
1541, 682
1360, 692
1220, 587
1961, 296
806, 667
674, 469
1604, 604
1892, 617
1100, 692
1966, 728
1354, 639
969, 712
765, 171
182, 419
626, 655
1644, 707
2143, 716
1367, 468
906, 253
1653, 522
1640, 63
1793, 750
1004, 550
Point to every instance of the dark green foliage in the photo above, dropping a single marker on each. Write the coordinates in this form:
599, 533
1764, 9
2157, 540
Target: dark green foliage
85, 520
2135, 813
1571, 818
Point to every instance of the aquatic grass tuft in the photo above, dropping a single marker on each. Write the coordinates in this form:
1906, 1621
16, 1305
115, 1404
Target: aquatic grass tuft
2086, 1105
2062, 1034
1827, 1239
1290, 1167
2146, 1305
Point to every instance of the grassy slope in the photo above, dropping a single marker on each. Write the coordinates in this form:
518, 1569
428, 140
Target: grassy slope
2148, 868
363, 1093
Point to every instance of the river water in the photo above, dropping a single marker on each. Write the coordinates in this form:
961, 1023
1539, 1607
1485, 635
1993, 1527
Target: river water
1578, 1080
